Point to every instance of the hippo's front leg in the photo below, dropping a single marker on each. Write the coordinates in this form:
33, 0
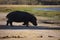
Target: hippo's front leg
26, 23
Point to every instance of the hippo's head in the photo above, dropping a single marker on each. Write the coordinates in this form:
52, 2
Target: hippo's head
34, 21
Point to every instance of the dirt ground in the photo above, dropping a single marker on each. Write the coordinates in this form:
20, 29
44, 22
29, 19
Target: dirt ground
28, 34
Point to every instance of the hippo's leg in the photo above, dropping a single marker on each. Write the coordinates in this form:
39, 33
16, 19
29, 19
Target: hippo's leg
26, 23
9, 22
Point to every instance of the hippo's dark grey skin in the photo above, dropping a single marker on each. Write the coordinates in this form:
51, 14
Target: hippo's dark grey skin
21, 16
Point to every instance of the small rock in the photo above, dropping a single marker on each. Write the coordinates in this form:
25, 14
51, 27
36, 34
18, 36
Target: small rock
58, 39
50, 36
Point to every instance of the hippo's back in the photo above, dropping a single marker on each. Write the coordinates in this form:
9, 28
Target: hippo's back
19, 15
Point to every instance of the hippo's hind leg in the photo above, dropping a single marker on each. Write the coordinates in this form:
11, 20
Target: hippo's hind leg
9, 22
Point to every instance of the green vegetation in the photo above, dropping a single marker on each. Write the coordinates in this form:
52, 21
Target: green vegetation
32, 10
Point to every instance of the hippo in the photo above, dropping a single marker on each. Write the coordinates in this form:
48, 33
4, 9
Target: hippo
21, 16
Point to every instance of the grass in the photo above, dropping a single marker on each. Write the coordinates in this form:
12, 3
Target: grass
32, 10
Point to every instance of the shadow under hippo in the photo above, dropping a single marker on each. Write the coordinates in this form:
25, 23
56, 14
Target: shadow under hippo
21, 16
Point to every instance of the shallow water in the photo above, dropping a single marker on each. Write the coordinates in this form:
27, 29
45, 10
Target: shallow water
48, 9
